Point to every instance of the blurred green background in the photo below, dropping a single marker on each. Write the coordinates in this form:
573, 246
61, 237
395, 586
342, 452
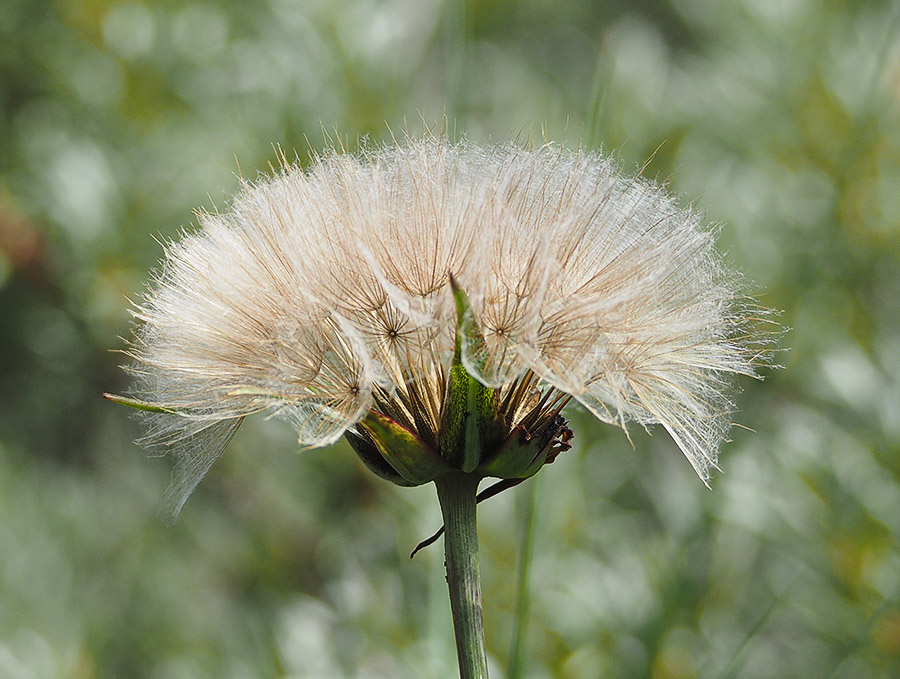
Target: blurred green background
780, 117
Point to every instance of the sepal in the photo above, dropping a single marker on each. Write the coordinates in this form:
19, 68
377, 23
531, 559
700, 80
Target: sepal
523, 453
368, 454
405, 452
471, 422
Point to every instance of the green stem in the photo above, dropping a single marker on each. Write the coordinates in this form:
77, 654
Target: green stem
456, 493
522, 586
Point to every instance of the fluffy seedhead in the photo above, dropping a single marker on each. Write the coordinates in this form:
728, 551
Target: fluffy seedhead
326, 294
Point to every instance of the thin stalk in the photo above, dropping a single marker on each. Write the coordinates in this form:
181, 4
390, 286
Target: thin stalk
516, 652
456, 493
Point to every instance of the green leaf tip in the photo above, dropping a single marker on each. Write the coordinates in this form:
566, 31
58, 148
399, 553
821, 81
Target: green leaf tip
460, 297
138, 405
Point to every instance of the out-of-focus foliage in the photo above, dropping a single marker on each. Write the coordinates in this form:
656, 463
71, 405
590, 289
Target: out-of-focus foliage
117, 118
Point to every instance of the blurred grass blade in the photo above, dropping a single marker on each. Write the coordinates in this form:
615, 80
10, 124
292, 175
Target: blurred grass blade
526, 553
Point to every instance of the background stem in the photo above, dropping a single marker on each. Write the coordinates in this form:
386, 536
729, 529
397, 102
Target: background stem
516, 653
456, 493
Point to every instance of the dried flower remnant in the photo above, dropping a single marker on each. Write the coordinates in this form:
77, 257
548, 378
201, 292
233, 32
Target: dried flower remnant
438, 304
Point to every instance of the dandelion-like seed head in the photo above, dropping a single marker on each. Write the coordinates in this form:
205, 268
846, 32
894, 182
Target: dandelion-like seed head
439, 304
